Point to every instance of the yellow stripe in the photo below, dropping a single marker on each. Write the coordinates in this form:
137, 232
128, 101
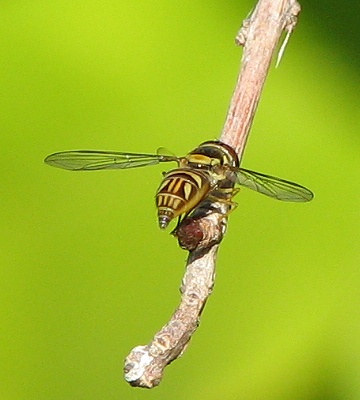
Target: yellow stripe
187, 190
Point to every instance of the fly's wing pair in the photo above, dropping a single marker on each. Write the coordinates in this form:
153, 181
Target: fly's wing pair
91, 160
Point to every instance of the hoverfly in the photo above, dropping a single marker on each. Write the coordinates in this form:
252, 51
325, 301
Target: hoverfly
208, 172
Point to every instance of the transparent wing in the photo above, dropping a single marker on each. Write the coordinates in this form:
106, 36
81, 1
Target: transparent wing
273, 187
90, 160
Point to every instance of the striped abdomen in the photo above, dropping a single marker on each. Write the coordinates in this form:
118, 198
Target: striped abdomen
181, 190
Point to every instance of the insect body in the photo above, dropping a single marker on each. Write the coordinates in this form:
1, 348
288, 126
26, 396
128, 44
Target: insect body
199, 175
180, 191
208, 173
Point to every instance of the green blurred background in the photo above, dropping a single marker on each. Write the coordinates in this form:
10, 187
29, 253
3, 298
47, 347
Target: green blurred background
85, 272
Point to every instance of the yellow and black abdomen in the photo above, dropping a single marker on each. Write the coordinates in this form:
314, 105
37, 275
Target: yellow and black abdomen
180, 191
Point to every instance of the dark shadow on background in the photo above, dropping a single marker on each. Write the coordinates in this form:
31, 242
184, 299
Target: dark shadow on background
338, 23
328, 383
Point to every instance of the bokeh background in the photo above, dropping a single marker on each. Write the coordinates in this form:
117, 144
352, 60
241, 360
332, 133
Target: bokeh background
85, 273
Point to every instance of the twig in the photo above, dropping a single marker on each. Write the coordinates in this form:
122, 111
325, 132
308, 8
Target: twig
145, 365
201, 233
259, 35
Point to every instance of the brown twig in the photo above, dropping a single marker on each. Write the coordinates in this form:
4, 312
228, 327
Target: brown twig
259, 35
202, 232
